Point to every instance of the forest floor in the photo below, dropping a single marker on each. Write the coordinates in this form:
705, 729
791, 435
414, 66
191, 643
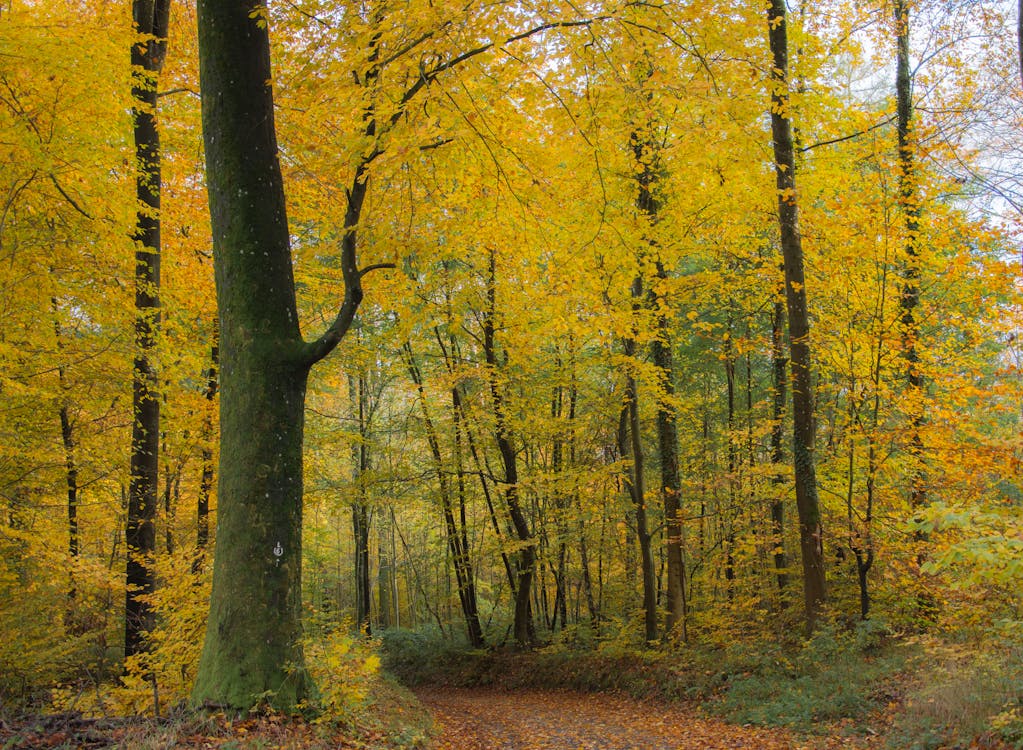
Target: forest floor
464, 719
494, 719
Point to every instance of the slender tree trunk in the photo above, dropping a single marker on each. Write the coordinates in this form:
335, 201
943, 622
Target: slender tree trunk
803, 430
171, 494
862, 544
202, 536
630, 444
150, 19
458, 542
526, 568
71, 474
471, 605
456, 398
360, 531
909, 201
67, 436
729, 520
360, 506
780, 366
385, 575
671, 481
646, 153
587, 582
560, 504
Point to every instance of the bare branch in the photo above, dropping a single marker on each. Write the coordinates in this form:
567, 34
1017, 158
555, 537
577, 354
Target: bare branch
887, 121
181, 90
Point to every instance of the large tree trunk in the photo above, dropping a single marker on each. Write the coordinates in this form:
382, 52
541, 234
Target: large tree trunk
150, 19
803, 431
252, 652
255, 611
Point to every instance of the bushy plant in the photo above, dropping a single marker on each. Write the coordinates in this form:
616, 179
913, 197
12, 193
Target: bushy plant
154, 681
56, 621
343, 667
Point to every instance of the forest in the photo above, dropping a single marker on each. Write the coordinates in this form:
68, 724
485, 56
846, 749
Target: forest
365, 364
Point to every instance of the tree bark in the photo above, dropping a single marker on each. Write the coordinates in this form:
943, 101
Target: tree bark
646, 153
67, 436
150, 18
667, 448
385, 574
360, 507
803, 429
909, 200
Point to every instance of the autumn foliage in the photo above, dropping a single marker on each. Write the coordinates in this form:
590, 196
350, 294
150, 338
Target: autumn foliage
571, 189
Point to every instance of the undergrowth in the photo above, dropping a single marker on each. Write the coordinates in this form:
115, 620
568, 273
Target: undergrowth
919, 693
838, 674
962, 694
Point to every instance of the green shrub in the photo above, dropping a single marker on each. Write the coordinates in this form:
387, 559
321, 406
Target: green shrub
835, 675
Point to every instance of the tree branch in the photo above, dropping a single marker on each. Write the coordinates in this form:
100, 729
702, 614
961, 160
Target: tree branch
182, 90
428, 76
887, 121
69, 199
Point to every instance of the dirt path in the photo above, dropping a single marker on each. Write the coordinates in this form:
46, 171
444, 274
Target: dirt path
482, 719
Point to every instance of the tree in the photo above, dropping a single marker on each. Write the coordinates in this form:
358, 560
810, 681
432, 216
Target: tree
252, 650
151, 18
803, 431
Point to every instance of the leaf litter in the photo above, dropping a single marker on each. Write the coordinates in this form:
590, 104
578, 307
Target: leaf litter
493, 719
